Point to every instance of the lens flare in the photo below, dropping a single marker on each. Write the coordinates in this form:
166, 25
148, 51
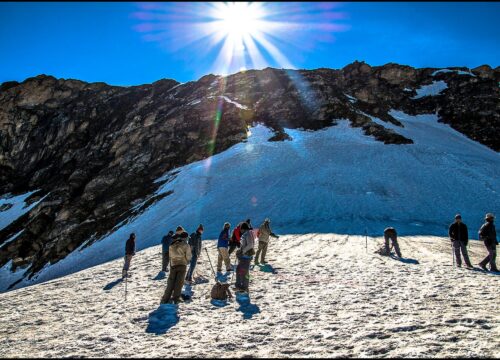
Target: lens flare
232, 36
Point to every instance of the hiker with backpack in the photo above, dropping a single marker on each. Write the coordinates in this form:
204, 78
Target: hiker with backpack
390, 233
488, 234
180, 254
195, 243
129, 253
263, 234
244, 255
165, 244
459, 237
222, 249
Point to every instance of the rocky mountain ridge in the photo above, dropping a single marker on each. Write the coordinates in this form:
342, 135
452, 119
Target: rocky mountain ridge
93, 151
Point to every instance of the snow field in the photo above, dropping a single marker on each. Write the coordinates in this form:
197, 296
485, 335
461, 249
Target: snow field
321, 295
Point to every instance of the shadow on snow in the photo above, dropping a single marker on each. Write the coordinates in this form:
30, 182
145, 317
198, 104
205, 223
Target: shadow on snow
162, 319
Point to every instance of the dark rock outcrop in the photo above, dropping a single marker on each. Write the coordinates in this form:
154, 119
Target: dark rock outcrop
94, 150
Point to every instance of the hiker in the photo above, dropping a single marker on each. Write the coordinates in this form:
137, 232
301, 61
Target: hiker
249, 224
195, 243
165, 244
222, 248
264, 233
179, 253
459, 237
390, 233
244, 255
129, 252
234, 242
488, 234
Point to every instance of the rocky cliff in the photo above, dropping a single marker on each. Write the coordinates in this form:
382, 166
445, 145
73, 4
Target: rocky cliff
93, 151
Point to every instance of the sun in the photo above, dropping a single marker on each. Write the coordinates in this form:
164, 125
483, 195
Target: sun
239, 19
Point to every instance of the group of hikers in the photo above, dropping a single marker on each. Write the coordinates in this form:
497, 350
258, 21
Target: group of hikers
180, 250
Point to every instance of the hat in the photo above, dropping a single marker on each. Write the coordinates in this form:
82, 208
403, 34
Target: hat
458, 216
200, 227
226, 224
244, 226
179, 228
489, 216
267, 220
247, 221
170, 232
132, 235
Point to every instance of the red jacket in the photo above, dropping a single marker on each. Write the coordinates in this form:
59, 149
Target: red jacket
235, 238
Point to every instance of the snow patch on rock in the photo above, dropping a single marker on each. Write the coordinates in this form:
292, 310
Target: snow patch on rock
431, 90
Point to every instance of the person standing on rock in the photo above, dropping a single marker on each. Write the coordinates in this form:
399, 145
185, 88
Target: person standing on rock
129, 252
195, 243
165, 244
390, 233
222, 248
488, 234
180, 255
459, 237
244, 255
264, 233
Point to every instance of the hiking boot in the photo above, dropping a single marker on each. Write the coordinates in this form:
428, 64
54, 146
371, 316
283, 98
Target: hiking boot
469, 267
483, 267
494, 270
178, 300
257, 263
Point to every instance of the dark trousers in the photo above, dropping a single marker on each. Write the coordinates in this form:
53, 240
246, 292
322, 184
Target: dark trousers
460, 246
232, 247
394, 241
174, 284
192, 265
491, 258
243, 272
164, 261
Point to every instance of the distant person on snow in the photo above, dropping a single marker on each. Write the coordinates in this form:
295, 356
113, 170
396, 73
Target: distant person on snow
459, 237
390, 233
222, 248
165, 244
488, 234
129, 252
244, 255
235, 239
180, 255
264, 233
195, 243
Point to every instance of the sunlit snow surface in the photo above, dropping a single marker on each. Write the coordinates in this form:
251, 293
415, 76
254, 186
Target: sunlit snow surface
433, 89
332, 180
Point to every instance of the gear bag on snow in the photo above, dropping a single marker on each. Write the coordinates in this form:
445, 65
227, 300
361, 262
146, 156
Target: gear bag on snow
220, 292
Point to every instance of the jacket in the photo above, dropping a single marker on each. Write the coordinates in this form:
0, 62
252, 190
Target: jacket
488, 234
458, 231
130, 247
236, 236
195, 243
165, 243
223, 241
264, 232
247, 242
179, 252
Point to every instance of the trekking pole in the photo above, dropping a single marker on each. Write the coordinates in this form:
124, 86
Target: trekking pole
452, 254
210, 261
366, 241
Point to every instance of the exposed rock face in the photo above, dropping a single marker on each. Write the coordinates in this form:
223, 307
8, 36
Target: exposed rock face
96, 149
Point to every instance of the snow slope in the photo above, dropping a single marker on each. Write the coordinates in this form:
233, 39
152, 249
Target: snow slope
432, 89
321, 296
331, 180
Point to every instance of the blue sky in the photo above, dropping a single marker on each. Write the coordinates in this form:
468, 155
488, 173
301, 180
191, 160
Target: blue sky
111, 42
